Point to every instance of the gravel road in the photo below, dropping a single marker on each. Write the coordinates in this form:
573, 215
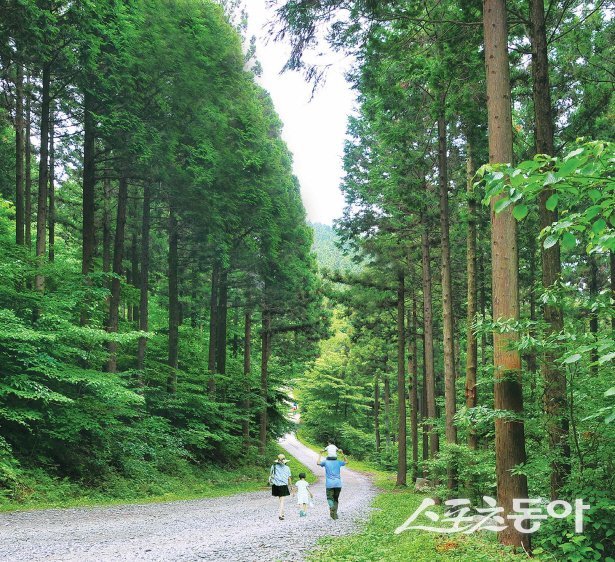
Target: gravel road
244, 527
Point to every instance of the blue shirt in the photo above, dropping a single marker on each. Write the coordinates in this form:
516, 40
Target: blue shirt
280, 473
332, 470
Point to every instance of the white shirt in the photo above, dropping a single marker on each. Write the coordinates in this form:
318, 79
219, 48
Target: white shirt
303, 496
331, 450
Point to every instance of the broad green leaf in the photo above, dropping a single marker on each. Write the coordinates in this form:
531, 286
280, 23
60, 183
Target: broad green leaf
599, 226
572, 358
551, 203
569, 241
610, 392
550, 241
520, 212
502, 204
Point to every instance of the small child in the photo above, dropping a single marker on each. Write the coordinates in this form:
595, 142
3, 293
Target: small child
332, 450
304, 495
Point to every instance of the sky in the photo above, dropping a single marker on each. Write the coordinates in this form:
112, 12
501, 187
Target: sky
313, 130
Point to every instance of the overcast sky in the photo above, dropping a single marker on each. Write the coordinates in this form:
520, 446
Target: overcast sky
314, 130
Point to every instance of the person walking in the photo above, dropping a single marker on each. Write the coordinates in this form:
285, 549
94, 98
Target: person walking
304, 494
280, 480
333, 484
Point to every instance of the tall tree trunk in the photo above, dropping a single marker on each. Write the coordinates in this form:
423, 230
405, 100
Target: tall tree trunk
387, 411
43, 179
213, 324
118, 256
28, 170
52, 187
134, 266
593, 315
89, 185
222, 322
106, 235
508, 395
173, 302
402, 455
447, 294
19, 157
376, 411
555, 397
265, 351
472, 343
247, 368
414, 378
430, 378
144, 279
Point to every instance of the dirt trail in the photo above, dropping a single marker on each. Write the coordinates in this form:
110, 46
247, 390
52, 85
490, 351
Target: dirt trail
243, 527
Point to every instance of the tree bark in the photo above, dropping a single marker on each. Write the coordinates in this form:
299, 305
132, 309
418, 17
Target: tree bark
472, 343
265, 351
413, 375
377, 410
213, 323
593, 315
430, 378
144, 279
508, 395
134, 266
89, 185
447, 294
247, 368
118, 256
402, 455
43, 179
555, 395
106, 235
52, 188
173, 303
387, 412
19, 158
28, 170
222, 317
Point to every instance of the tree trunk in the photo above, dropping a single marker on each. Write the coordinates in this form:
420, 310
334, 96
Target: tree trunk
387, 412
377, 410
118, 256
89, 185
28, 170
509, 429
247, 368
472, 343
413, 375
144, 279
447, 294
106, 236
19, 158
213, 323
430, 382
555, 397
265, 350
173, 303
222, 317
52, 188
402, 455
134, 266
43, 180
593, 315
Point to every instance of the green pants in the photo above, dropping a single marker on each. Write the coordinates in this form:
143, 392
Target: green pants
333, 495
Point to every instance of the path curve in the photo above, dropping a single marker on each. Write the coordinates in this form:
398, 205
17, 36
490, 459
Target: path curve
241, 528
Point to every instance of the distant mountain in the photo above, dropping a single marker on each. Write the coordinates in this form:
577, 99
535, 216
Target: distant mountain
328, 254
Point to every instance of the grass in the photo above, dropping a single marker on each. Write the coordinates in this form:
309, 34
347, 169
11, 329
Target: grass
377, 542
39, 490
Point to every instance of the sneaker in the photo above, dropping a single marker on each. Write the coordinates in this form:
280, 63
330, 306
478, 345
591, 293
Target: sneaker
281, 517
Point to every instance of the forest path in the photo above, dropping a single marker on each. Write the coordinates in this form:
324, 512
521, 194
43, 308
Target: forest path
243, 527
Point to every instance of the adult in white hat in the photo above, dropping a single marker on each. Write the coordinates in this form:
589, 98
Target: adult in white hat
280, 480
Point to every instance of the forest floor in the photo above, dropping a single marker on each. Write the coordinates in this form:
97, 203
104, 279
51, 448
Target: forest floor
243, 527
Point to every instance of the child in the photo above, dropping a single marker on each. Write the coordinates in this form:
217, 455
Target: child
304, 495
331, 450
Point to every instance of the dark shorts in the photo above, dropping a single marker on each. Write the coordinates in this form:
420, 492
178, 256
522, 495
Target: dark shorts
279, 491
